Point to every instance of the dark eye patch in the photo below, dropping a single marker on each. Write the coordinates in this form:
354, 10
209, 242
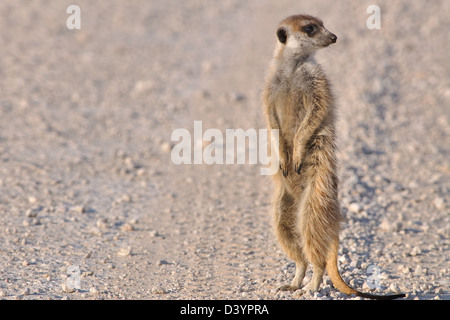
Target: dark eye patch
309, 29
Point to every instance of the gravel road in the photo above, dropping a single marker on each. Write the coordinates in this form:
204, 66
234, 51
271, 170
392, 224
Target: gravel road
92, 207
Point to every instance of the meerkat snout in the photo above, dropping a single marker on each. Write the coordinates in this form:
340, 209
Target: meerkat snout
333, 38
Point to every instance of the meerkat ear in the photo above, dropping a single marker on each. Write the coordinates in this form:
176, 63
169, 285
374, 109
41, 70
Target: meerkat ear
282, 35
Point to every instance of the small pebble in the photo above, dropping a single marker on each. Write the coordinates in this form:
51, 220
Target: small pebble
235, 97
31, 213
207, 66
439, 291
158, 290
162, 262
95, 231
439, 203
419, 270
143, 85
25, 292
406, 270
394, 288
32, 222
32, 199
102, 223
355, 207
79, 209
389, 226
127, 227
166, 147
123, 252
66, 288
153, 233
416, 251
126, 198
93, 291
325, 291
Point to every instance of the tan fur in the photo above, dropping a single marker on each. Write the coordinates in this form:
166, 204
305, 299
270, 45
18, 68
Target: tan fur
299, 103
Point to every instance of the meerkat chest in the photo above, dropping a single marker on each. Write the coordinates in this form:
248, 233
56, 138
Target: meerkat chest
290, 110
293, 95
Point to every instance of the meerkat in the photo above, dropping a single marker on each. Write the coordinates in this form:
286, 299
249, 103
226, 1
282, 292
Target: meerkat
299, 103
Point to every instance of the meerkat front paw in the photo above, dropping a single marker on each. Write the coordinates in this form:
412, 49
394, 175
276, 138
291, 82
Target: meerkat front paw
284, 160
298, 157
298, 163
283, 168
298, 166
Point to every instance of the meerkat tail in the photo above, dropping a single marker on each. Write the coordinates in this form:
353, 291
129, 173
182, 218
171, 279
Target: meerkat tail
335, 276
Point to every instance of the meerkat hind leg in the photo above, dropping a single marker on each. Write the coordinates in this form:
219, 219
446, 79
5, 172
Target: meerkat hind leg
300, 270
314, 284
316, 279
286, 216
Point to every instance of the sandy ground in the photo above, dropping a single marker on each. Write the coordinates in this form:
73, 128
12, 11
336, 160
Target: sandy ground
88, 190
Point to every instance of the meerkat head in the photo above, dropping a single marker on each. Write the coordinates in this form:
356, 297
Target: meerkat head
303, 34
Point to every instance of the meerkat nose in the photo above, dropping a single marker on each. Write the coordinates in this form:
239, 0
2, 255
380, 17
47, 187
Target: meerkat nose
333, 38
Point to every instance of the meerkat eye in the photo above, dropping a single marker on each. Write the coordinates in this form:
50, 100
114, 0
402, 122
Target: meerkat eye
309, 29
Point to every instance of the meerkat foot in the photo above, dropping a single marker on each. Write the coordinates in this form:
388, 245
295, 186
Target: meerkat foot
308, 289
300, 269
283, 168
